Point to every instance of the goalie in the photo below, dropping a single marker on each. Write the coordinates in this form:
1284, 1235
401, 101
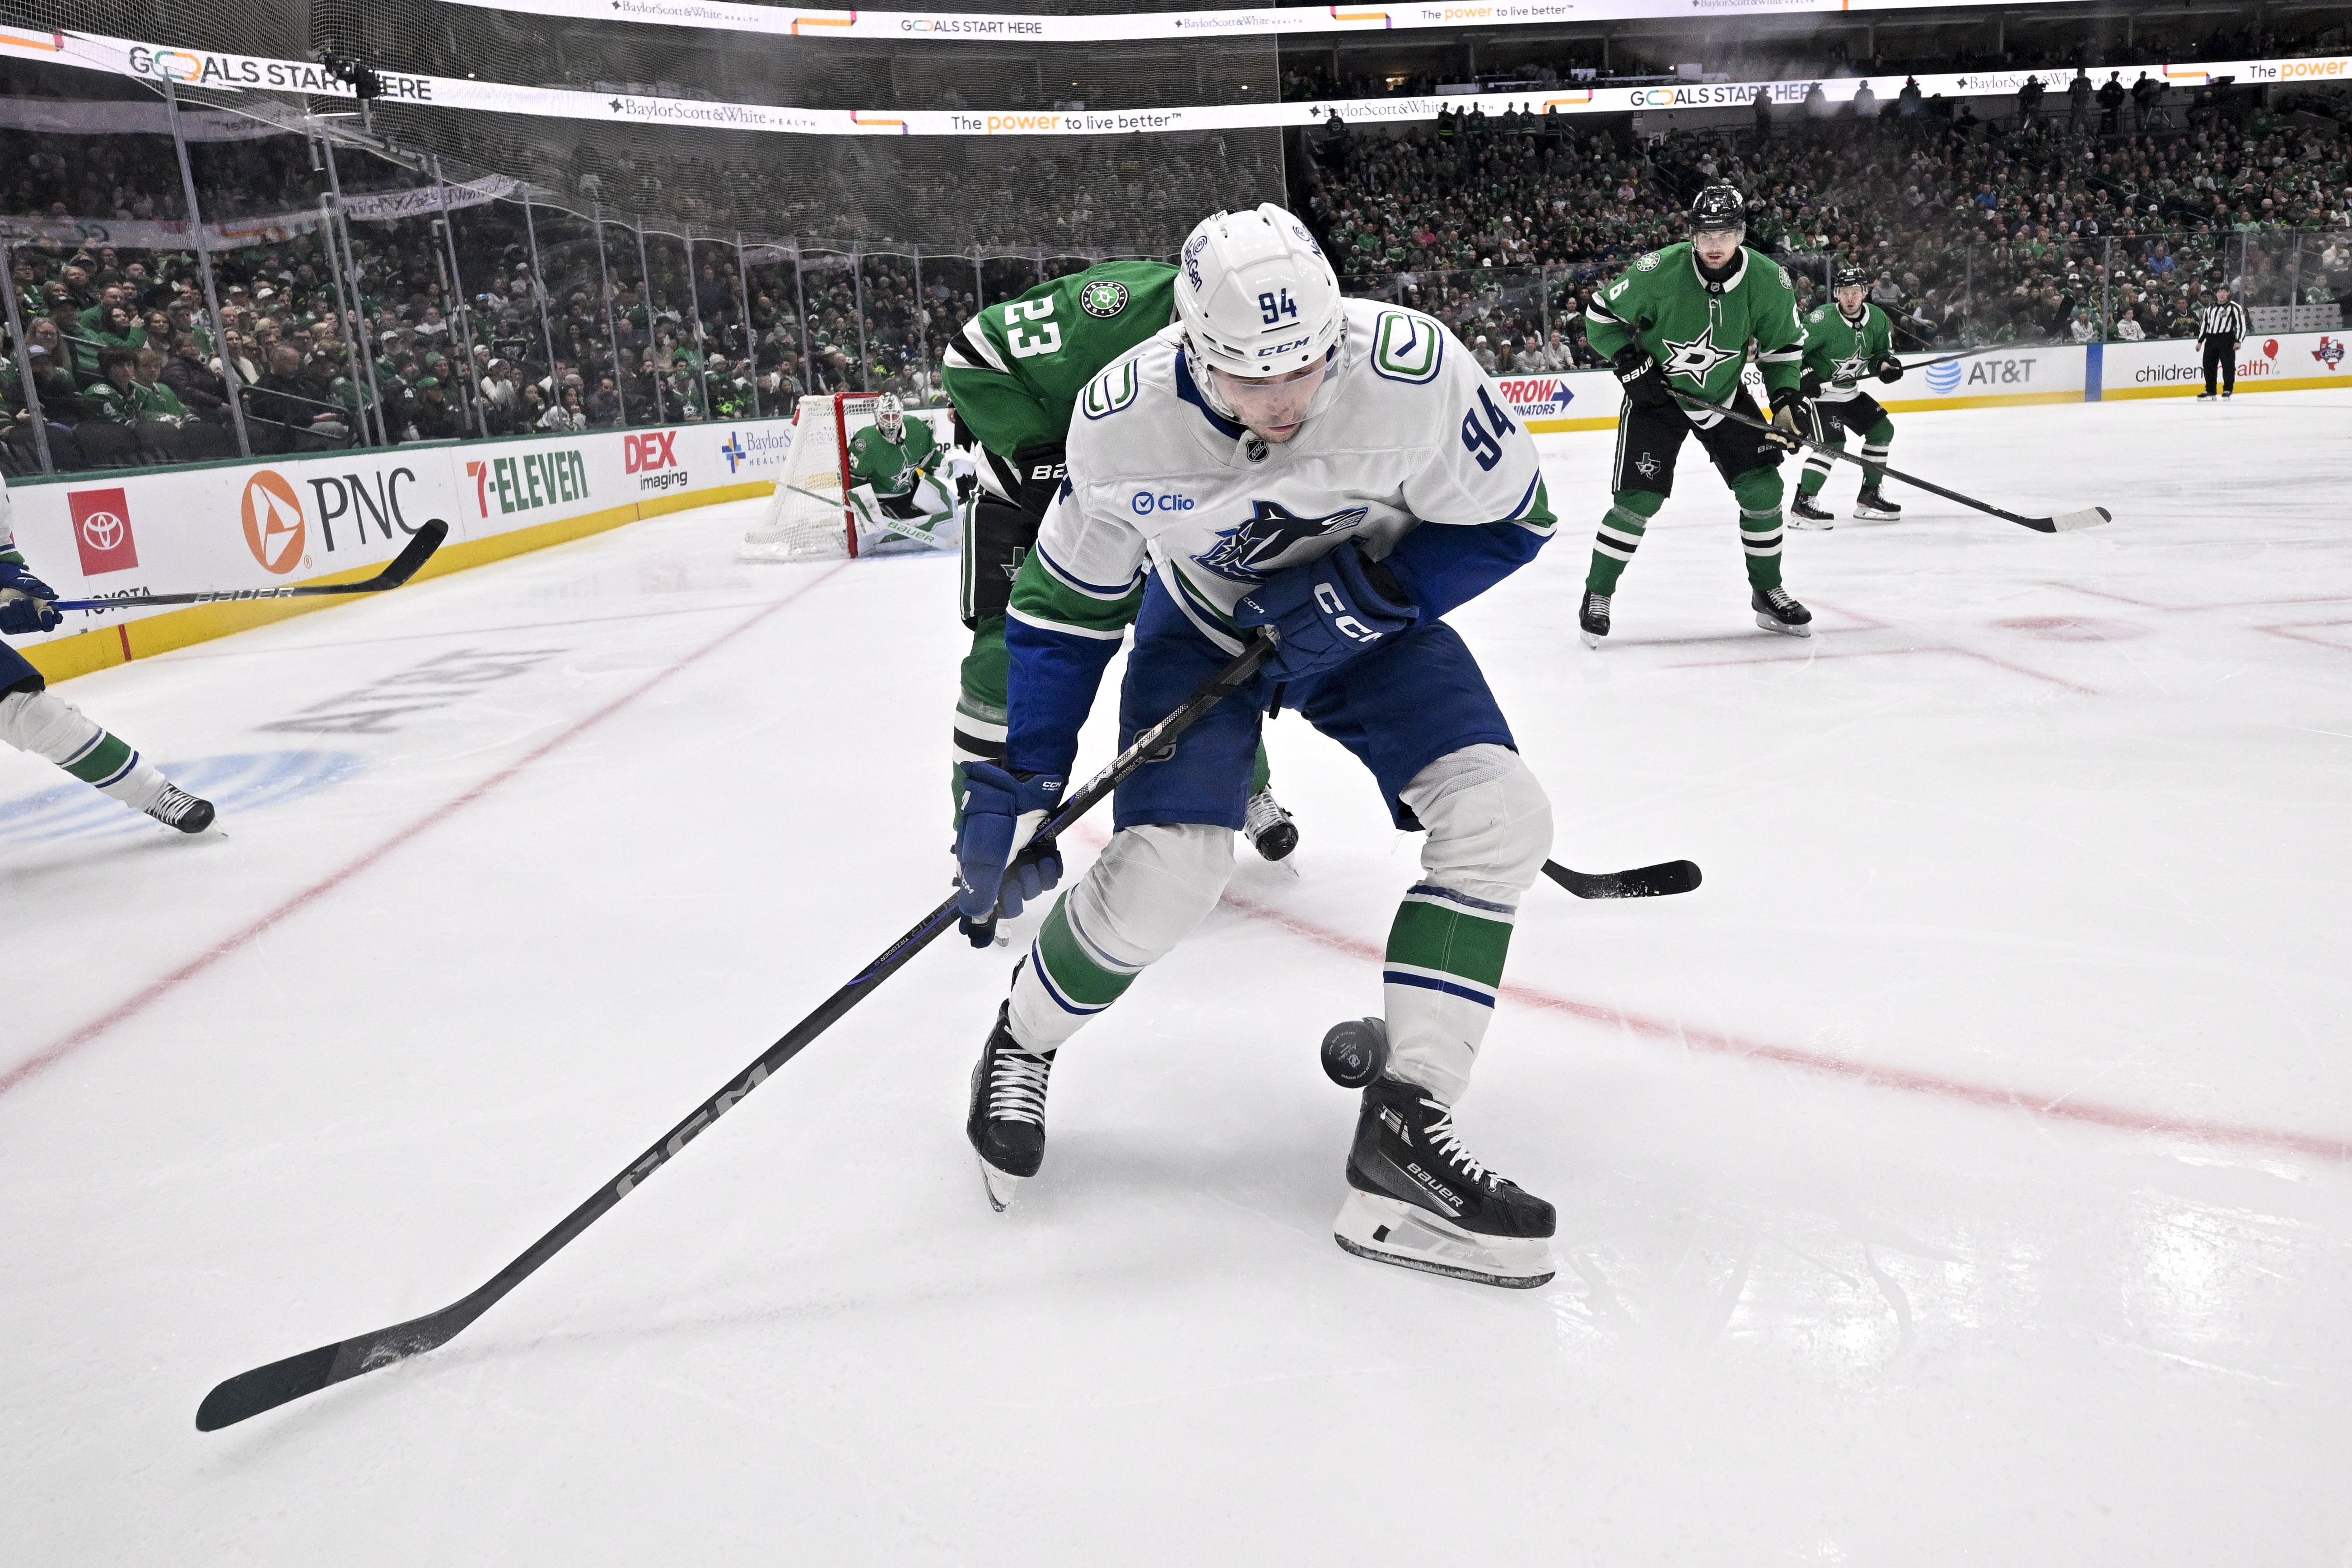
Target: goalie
895, 486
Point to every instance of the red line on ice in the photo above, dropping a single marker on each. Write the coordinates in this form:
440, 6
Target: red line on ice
1874, 1074
154, 993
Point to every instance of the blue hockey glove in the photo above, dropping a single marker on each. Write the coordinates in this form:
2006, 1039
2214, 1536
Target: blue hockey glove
1325, 612
1001, 811
25, 601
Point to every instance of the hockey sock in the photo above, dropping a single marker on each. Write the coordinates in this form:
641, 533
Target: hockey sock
981, 713
1489, 828
1875, 442
1143, 896
1629, 516
48, 726
1817, 466
1261, 772
1759, 494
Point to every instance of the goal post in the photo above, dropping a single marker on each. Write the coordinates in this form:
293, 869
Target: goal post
810, 518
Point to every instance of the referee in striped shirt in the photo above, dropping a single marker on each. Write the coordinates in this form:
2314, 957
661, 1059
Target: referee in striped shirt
2220, 324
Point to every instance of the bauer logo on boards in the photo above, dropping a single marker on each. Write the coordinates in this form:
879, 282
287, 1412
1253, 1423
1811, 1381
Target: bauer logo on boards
101, 525
274, 529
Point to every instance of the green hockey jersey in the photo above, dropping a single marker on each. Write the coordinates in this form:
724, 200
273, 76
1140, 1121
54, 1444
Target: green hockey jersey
890, 467
1840, 352
1015, 371
1699, 337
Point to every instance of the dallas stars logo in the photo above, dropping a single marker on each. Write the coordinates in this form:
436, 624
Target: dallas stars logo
1852, 368
1103, 298
1253, 550
1696, 359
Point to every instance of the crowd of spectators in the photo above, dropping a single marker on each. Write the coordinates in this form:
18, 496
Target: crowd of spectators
479, 332
1973, 233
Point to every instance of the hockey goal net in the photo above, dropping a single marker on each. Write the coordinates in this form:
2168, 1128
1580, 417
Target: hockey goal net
809, 518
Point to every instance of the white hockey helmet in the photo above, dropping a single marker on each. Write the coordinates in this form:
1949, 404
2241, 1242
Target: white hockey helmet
1256, 296
891, 415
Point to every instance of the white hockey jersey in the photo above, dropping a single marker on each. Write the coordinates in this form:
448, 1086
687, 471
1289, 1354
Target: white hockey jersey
1405, 433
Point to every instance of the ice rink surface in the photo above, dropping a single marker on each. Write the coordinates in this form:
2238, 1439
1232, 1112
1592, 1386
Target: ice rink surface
1958, 1177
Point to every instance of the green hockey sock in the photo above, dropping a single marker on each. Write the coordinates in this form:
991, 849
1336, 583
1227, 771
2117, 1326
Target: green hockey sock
1759, 494
1627, 519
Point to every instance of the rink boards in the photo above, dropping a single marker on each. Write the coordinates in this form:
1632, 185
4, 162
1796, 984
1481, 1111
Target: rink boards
338, 516
1998, 378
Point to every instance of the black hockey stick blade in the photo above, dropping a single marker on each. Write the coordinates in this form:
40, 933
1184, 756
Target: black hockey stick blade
249, 1394
1661, 880
397, 571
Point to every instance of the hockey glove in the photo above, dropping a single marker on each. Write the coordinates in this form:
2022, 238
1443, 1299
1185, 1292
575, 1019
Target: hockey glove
1809, 385
1325, 612
1889, 368
1645, 382
25, 601
1002, 810
1784, 433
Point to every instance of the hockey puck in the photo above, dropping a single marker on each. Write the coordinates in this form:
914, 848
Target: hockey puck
1355, 1051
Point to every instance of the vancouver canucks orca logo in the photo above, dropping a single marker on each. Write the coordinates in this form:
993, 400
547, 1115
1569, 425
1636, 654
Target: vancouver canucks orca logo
1254, 550
1696, 359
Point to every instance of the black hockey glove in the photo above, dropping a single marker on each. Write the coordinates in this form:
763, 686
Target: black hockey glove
1041, 469
1809, 385
1889, 369
1785, 431
1645, 382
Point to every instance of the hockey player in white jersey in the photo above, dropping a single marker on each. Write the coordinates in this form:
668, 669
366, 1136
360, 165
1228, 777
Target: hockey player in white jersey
1334, 469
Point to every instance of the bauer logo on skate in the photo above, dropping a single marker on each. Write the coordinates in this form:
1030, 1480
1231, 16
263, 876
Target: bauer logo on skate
273, 527
102, 520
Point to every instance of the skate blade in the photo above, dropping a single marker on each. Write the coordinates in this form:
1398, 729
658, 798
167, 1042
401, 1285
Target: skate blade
1000, 1188
1873, 514
1591, 640
1385, 1230
1784, 628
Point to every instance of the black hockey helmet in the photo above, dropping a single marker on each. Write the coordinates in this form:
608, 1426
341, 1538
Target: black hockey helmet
1717, 208
1852, 277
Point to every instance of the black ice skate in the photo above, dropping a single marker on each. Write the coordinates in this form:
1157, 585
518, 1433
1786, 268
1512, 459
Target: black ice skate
1268, 826
2204, 397
1007, 1120
1872, 507
1418, 1199
1593, 619
175, 807
1777, 611
1804, 513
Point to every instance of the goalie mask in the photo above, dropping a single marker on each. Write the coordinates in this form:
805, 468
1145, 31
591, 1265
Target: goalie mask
890, 415
1259, 304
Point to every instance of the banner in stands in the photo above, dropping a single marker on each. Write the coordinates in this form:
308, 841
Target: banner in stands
220, 72
996, 28
283, 521
173, 233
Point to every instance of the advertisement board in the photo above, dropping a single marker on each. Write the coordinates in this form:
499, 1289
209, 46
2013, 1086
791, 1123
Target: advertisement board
340, 516
2267, 361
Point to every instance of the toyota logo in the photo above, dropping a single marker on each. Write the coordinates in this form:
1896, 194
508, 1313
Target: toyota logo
102, 530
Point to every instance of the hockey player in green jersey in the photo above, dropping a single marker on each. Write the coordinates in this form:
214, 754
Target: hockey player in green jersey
894, 463
1014, 374
1844, 343
1682, 320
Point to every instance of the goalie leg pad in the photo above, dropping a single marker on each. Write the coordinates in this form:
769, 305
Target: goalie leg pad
1489, 828
1386, 1230
1141, 896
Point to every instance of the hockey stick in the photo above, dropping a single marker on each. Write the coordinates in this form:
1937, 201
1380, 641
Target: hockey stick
1666, 877
2065, 521
281, 1382
399, 570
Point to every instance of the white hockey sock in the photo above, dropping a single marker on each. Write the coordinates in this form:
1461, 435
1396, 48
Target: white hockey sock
48, 726
1136, 902
1489, 829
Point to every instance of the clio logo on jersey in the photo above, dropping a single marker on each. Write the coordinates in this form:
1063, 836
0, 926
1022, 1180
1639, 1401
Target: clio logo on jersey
1145, 503
649, 455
